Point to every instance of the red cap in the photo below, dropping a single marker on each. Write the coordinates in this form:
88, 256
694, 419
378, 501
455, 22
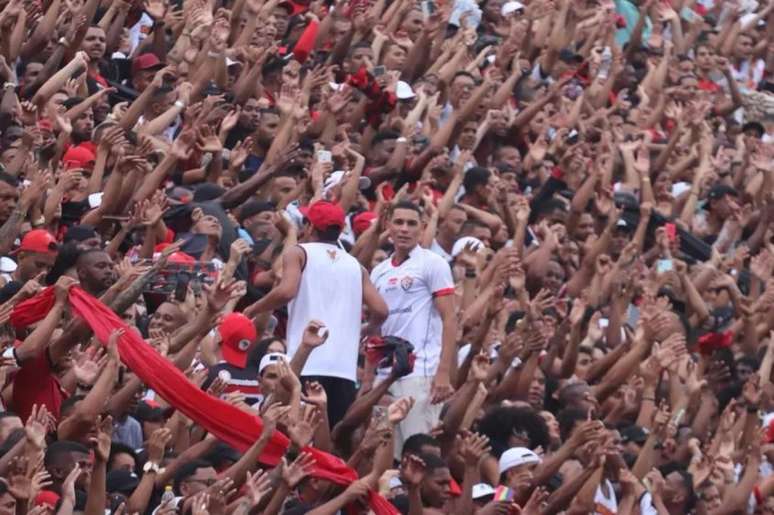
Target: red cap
362, 221
47, 498
324, 215
78, 157
146, 61
38, 240
237, 332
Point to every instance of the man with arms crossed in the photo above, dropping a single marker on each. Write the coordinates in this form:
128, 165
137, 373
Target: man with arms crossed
322, 282
418, 287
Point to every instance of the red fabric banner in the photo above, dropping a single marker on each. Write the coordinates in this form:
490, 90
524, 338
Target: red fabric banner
228, 423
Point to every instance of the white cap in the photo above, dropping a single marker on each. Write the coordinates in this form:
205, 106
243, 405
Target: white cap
482, 490
459, 245
516, 456
270, 359
511, 7
403, 90
7, 265
336, 177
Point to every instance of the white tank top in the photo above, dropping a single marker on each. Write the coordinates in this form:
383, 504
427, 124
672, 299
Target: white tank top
331, 290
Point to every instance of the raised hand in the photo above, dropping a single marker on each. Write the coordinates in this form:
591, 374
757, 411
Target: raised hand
157, 444
300, 468
315, 334
474, 447
302, 431
102, 441
399, 410
258, 485
315, 395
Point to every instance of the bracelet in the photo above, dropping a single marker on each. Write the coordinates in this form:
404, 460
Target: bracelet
63, 41
9, 85
470, 274
83, 386
401, 140
651, 399
214, 54
179, 104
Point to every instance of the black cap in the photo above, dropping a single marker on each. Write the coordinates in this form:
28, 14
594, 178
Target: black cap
634, 434
147, 413
253, 207
81, 232
719, 190
569, 56
122, 481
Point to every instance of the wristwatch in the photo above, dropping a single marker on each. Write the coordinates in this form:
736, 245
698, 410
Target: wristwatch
9, 85
152, 467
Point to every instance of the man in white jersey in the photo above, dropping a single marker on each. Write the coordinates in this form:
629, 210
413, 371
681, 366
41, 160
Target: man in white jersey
418, 287
321, 281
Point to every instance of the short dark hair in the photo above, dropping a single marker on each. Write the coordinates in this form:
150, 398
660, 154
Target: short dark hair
329, 235
384, 136
687, 480
463, 73
567, 418
9, 179
476, 176
187, 470
406, 204
117, 448
415, 443
433, 462
56, 450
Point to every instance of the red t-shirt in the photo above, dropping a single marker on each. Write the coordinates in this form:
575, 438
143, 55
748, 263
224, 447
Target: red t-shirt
36, 383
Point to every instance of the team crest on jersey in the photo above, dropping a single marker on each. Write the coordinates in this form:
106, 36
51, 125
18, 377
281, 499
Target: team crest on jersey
331, 254
406, 283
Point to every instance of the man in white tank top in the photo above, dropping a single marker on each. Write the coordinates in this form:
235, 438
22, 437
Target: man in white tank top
321, 281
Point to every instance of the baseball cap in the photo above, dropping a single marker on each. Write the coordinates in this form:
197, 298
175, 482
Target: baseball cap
78, 157
323, 215
146, 61
623, 225
568, 56
47, 498
460, 244
403, 91
719, 190
517, 456
237, 332
336, 177
38, 240
511, 7
634, 434
270, 359
481, 490
362, 221
80, 233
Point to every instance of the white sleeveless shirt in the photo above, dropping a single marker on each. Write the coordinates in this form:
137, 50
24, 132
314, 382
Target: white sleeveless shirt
331, 290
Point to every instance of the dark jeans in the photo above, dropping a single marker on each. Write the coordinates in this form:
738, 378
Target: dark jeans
341, 394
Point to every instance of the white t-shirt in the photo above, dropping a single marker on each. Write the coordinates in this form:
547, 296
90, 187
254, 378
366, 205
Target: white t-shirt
748, 75
331, 290
410, 289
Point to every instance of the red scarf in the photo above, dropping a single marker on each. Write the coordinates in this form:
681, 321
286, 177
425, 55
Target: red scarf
228, 423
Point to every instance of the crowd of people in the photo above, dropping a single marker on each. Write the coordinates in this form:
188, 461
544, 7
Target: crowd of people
387, 256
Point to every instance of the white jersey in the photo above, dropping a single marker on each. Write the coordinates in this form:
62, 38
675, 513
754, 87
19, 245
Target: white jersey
331, 291
409, 289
